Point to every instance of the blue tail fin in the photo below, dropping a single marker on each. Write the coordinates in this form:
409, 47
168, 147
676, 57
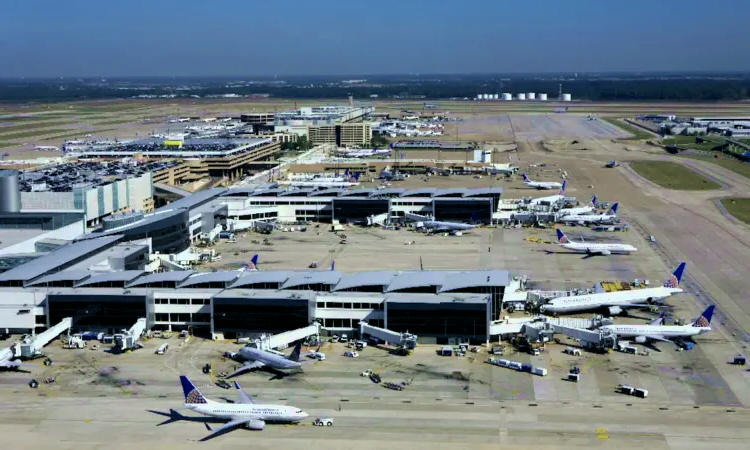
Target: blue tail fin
561, 238
524, 177
295, 353
253, 262
705, 319
593, 201
613, 209
333, 265
562, 188
346, 172
674, 280
356, 176
192, 394
473, 217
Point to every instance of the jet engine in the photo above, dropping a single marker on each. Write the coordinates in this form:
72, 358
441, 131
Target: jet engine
640, 339
606, 252
615, 310
255, 424
230, 355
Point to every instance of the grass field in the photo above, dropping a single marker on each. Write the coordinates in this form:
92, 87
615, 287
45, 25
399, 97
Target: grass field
33, 126
635, 131
739, 207
689, 142
6, 145
672, 175
32, 133
117, 122
78, 133
729, 164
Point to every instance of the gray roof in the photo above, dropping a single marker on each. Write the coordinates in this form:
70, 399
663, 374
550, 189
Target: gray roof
123, 275
483, 191
294, 192
375, 278
192, 200
176, 276
57, 258
330, 192
262, 276
475, 278
210, 277
158, 215
423, 192
65, 275
267, 192
331, 277
265, 294
364, 192
450, 191
430, 298
417, 278
388, 191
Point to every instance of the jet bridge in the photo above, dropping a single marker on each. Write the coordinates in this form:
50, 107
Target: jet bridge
282, 340
32, 345
129, 339
406, 341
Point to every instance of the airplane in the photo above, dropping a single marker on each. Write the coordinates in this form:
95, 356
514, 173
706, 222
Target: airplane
251, 266
664, 333
582, 210
593, 248
552, 198
615, 302
7, 357
243, 413
323, 183
255, 358
609, 216
436, 226
540, 184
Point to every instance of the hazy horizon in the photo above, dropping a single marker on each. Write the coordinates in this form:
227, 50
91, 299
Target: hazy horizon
82, 38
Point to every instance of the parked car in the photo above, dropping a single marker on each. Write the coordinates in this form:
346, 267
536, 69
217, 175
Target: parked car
394, 386
351, 354
223, 384
375, 378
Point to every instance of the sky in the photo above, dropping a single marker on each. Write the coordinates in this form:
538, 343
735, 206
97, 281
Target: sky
49, 38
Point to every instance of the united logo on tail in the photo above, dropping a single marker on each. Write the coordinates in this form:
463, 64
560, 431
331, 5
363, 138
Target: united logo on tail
253, 264
192, 395
674, 279
561, 238
704, 321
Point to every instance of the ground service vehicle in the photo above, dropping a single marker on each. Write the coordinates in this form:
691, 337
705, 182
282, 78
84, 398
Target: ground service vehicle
323, 422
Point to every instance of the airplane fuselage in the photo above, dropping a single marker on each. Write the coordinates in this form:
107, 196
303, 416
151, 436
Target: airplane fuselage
657, 331
599, 248
589, 218
606, 299
271, 360
270, 413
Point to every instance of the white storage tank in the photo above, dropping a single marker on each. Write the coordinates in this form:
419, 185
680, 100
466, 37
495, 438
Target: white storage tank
531, 96
567, 97
507, 96
543, 97
522, 96
494, 96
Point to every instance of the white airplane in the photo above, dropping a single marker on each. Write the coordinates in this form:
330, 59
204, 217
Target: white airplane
436, 226
243, 413
255, 358
615, 302
7, 357
552, 198
322, 183
581, 210
609, 216
664, 333
251, 266
593, 248
540, 184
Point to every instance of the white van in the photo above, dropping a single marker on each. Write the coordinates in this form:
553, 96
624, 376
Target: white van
642, 393
541, 371
573, 351
514, 365
162, 349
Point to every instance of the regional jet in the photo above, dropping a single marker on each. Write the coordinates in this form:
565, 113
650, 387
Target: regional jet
664, 333
540, 184
584, 219
552, 198
243, 413
436, 226
593, 248
254, 358
251, 266
616, 302
582, 210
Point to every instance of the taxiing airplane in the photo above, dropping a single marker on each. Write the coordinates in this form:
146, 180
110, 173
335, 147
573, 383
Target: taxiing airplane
540, 184
581, 210
436, 226
254, 358
585, 219
251, 266
552, 198
592, 248
664, 333
616, 302
243, 413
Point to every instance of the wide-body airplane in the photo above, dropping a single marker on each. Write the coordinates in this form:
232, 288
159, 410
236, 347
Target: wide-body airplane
584, 219
592, 248
437, 226
581, 210
540, 184
616, 302
255, 358
664, 333
243, 413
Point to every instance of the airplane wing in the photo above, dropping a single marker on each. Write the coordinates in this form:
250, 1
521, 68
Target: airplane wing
242, 396
660, 338
247, 365
252, 423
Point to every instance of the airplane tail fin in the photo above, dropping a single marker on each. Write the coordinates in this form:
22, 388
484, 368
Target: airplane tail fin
674, 279
613, 209
356, 177
192, 394
593, 201
253, 262
346, 172
525, 178
333, 265
659, 320
561, 238
705, 319
473, 217
562, 188
295, 353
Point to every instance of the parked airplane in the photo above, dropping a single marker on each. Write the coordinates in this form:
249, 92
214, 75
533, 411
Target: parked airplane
664, 333
436, 226
540, 184
243, 413
615, 302
552, 198
582, 210
7, 359
251, 266
254, 358
585, 219
592, 248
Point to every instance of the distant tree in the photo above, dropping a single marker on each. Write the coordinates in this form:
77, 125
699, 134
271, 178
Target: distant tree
378, 140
